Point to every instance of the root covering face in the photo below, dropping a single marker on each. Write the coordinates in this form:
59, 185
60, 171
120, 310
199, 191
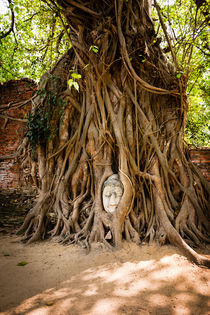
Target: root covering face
113, 105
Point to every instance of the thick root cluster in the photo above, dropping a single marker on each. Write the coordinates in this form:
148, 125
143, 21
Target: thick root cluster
116, 123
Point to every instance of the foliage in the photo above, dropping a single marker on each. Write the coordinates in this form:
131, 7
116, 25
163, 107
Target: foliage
187, 26
36, 42
38, 128
72, 82
198, 122
43, 124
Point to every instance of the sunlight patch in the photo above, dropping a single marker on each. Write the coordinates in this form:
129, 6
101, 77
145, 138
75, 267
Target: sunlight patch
106, 307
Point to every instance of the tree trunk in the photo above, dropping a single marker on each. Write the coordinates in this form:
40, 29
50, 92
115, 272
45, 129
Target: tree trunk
113, 105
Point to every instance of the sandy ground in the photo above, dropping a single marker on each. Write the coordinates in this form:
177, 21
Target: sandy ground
65, 280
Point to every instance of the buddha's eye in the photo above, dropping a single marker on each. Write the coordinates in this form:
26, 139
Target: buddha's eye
107, 195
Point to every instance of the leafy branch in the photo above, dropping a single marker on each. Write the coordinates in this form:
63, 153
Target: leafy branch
11, 29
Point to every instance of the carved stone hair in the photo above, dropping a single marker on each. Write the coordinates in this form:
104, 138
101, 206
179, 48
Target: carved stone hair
113, 180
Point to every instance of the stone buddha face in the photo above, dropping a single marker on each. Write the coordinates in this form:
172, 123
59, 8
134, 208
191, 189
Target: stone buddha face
112, 193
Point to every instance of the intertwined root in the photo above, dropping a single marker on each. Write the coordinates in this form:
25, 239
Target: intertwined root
116, 123
159, 203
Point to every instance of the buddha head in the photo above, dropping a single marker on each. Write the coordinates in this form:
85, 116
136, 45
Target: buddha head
112, 193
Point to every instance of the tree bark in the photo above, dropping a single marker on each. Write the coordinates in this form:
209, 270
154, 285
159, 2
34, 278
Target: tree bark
113, 105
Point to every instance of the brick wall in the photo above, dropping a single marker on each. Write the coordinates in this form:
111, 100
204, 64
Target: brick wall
201, 158
12, 130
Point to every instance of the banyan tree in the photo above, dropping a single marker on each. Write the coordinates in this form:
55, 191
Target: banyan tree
111, 113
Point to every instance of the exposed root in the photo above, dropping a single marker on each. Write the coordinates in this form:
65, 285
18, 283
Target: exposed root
123, 118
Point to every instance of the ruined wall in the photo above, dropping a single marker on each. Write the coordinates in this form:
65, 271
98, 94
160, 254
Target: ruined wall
12, 94
201, 158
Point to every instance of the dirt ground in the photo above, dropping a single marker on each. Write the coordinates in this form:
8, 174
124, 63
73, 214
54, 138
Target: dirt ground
63, 280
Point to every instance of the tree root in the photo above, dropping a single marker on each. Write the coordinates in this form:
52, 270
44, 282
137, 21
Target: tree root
123, 118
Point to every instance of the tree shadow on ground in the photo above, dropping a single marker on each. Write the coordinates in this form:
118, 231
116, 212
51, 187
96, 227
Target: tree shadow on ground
154, 281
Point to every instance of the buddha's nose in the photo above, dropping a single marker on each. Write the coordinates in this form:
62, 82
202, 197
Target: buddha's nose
113, 200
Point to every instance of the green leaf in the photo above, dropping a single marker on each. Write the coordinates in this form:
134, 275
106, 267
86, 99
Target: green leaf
6, 254
16, 9
73, 83
86, 66
76, 75
22, 263
70, 83
178, 75
94, 48
76, 86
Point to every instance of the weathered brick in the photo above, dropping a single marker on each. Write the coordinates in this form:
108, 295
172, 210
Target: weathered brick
14, 91
201, 158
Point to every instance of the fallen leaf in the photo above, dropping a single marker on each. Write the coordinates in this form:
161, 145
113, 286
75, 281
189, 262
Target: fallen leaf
49, 303
22, 263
